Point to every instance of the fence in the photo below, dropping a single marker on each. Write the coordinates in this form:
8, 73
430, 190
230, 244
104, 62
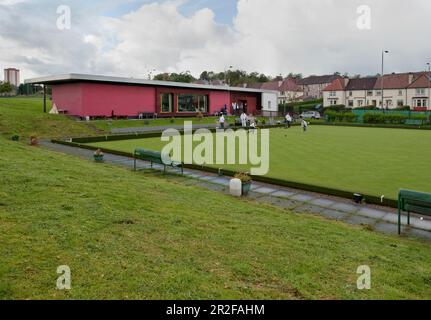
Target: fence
360, 114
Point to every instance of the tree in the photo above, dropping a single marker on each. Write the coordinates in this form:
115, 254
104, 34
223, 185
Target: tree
6, 88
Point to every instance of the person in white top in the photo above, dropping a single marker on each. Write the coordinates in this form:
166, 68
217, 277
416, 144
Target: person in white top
244, 119
288, 120
222, 121
304, 125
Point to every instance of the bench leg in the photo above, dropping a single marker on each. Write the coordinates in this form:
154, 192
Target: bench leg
408, 218
164, 169
399, 221
134, 164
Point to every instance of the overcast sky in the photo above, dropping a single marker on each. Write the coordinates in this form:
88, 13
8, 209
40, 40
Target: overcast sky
131, 37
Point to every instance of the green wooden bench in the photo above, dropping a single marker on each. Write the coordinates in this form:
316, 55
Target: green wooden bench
155, 157
413, 201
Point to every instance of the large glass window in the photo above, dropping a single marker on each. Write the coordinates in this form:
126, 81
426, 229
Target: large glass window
167, 102
192, 103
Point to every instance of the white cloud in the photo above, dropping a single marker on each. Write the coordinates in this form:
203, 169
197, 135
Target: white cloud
277, 36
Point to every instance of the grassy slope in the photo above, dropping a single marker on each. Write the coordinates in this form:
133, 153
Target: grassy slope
24, 116
368, 160
135, 235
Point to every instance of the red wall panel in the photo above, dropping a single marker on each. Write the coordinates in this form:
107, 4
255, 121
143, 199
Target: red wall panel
68, 97
123, 100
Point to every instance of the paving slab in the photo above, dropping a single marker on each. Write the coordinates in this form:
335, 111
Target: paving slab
386, 227
207, 178
420, 224
341, 206
334, 214
372, 213
393, 218
283, 194
265, 190
416, 233
322, 202
221, 181
308, 208
360, 220
302, 197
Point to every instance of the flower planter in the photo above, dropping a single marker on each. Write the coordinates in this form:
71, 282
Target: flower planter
98, 158
246, 187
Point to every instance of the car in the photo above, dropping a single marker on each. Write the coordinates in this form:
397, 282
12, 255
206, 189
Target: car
310, 115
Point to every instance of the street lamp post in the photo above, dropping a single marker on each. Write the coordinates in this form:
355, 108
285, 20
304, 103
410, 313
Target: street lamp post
383, 76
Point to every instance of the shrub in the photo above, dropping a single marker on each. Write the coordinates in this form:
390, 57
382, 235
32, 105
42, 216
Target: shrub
367, 108
403, 108
385, 118
243, 176
333, 116
337, 108
420, 117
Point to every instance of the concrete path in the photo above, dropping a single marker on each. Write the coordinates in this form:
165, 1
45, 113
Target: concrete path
376, 218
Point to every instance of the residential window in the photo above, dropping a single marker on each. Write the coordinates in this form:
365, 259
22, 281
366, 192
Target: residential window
333, 94
419, 103
378, 93
350, 103
420, 91
350, 93
369, 93
360, 103
167, 102
400, 92
192, 103
400, 103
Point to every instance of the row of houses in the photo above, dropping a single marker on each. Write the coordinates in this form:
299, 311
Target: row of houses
391, 91
291, 89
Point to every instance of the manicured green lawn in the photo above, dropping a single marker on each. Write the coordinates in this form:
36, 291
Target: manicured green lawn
367, 160
129, 235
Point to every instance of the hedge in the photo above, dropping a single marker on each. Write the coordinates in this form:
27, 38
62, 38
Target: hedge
333, 116
371, 117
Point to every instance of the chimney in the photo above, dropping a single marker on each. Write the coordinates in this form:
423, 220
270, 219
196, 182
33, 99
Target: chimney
346, 81
410, 78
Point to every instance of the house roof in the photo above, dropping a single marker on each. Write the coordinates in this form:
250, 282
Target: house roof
423, 81
361, 84
272, 85
289, 85
73, 78
336, 85
396, 80
318, 80
286, 85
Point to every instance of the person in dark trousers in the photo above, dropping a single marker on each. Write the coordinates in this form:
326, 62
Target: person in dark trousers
304, 125
288, 121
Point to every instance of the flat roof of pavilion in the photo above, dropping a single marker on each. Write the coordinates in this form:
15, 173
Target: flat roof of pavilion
74, 77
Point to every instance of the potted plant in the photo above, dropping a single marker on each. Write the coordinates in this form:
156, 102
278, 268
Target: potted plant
245, 181
34, 141
98, 155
